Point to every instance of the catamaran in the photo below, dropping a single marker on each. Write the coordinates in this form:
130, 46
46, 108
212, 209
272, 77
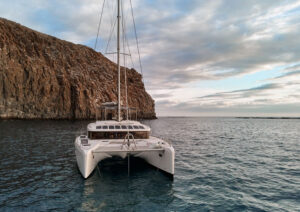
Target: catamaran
116, 136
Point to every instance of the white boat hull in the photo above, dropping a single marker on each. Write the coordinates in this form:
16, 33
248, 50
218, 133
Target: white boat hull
154, 151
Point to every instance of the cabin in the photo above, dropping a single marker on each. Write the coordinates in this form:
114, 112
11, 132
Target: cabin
109, 111
109, 128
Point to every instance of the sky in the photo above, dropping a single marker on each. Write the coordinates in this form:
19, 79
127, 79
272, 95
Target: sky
199, 57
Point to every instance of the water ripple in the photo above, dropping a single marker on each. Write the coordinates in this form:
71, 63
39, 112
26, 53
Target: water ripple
221, 165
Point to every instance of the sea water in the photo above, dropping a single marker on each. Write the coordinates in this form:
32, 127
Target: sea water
222, 164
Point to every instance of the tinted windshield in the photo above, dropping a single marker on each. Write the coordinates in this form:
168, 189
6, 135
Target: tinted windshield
117, 135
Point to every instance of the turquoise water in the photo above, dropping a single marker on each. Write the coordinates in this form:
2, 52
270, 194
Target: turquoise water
222, 164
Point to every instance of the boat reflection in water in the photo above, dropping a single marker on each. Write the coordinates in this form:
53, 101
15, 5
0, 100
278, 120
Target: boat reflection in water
145, 186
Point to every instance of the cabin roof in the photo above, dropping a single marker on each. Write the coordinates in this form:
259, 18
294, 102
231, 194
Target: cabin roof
111, 125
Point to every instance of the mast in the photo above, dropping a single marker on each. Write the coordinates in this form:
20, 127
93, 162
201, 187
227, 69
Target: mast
118, 62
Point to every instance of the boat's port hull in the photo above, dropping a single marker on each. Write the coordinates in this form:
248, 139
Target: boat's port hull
161, 157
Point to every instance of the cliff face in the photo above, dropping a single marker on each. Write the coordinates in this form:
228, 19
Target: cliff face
44, 77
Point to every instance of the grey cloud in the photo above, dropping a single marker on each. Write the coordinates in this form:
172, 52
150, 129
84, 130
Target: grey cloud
163, 95
293, 68
264, 109
293, 73
164, 103
245, 92
220, 49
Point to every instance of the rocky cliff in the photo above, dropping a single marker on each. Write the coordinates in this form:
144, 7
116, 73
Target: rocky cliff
47, 78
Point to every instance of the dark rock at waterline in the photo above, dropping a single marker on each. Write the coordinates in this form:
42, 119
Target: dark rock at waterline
42, 77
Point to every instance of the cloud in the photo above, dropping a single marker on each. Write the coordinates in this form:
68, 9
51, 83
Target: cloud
277, 95
244, 92
289, 74
240, 110
161, 95
231, 40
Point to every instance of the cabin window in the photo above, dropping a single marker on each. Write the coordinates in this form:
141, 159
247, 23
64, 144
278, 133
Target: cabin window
105, 127
111, 127
84, 141
141, 135
130, 127
117, 135
135, 127
124, 127
141, 127
98, 127
118, 127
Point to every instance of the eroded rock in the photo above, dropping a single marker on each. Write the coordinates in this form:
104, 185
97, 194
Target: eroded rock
42, 77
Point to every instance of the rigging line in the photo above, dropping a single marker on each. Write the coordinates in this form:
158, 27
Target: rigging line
128, 47
136, 38
129, 52
127, 43
99, 25
111, 7
110, 36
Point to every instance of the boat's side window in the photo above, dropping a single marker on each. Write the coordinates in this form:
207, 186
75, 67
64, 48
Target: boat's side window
95, 135
118, 127
135, 127
84, 141
105, 127
130, 127
141, 135
141, 127
124, 127
98, 127
111, 127
117, 135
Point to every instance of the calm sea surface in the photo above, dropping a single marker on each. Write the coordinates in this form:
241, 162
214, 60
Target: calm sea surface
222, 164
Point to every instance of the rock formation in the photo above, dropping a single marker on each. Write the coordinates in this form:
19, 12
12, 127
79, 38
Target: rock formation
42, 77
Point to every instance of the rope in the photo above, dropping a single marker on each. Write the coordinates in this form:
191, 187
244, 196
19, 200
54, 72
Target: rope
111, 32
99, 25
127, 43
112, 7
136, 38
129, 51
